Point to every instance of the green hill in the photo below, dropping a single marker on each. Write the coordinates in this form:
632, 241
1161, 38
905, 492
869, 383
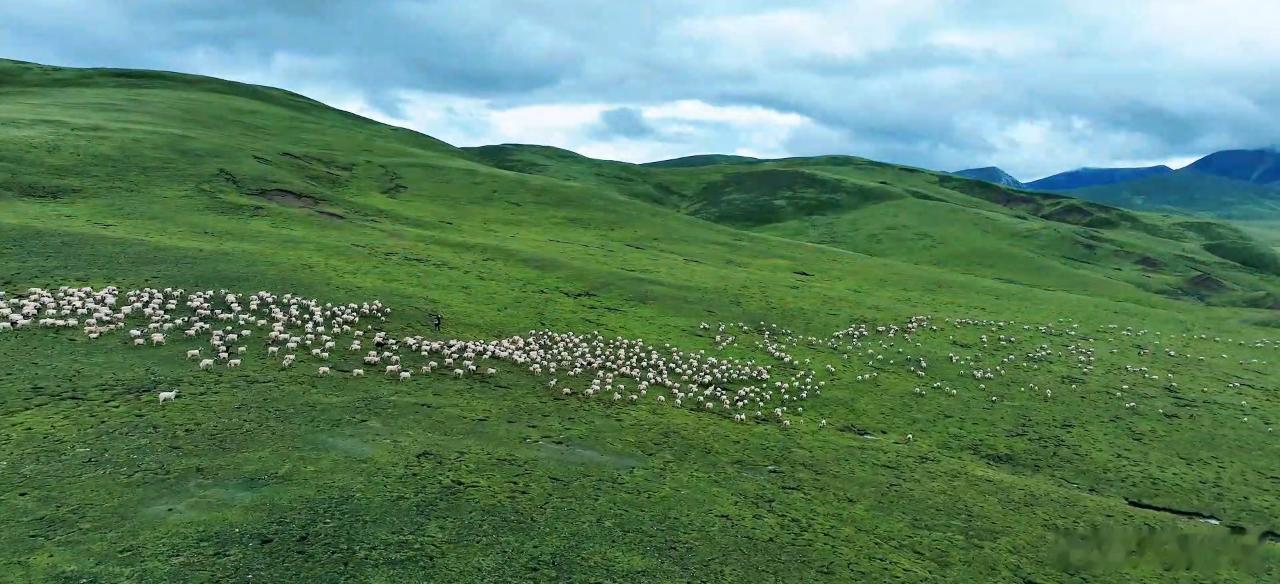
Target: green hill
967, 226
702, 160
1014, 455
1190, 191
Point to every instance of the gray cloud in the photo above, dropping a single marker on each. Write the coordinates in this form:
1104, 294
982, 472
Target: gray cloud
626, 122
1033, 87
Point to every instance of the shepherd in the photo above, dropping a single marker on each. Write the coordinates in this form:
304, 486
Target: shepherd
437, 321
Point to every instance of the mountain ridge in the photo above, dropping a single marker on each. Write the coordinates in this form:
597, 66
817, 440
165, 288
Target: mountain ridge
1094, 176
991, 174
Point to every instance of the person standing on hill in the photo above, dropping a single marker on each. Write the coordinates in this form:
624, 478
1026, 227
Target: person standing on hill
437, 321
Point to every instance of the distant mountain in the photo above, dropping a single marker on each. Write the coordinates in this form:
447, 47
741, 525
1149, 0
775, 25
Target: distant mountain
1256, 166
1190, 191
991, 174
1090, 177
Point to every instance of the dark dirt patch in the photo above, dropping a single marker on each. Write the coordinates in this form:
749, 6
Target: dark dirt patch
287, 198
37, 190
1204, 282
1076, 215
1149, 262
1198, 516
393, 182
854, 429
330, 214
229, 178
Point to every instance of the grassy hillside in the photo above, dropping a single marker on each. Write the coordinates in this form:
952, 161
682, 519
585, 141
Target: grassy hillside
1267, 232
702, 160
1041, 472
1189, 191
1048, 241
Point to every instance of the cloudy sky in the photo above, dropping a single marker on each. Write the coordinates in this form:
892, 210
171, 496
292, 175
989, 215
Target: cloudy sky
1032, 86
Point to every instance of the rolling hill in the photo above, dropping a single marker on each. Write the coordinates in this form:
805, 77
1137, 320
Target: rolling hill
1047, 241
1013, 455
702, 160
1189, 191
1231, 184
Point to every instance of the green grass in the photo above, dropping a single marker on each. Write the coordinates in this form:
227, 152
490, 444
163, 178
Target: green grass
137, 179
1187, 191
1267, 232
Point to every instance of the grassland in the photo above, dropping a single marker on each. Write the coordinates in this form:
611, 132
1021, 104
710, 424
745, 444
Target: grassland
1190, 191
153, 179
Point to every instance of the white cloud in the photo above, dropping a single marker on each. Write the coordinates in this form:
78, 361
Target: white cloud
831, 30
680, 128
1001, 43
1033, 87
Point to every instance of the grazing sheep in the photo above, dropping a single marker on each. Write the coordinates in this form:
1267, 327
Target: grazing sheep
713, 381
357, 372
322, 371
168, 395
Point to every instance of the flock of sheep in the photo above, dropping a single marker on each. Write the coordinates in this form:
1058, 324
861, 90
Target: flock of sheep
223, 329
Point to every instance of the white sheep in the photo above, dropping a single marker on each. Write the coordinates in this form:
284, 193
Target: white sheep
168, 395
322, 371
357, 372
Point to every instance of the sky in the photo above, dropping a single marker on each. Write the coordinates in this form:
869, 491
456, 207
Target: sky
1032, 86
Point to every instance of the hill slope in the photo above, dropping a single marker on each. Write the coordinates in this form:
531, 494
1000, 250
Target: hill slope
1231, 184
1191, 191
702, 160
1046, 241
143, 179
